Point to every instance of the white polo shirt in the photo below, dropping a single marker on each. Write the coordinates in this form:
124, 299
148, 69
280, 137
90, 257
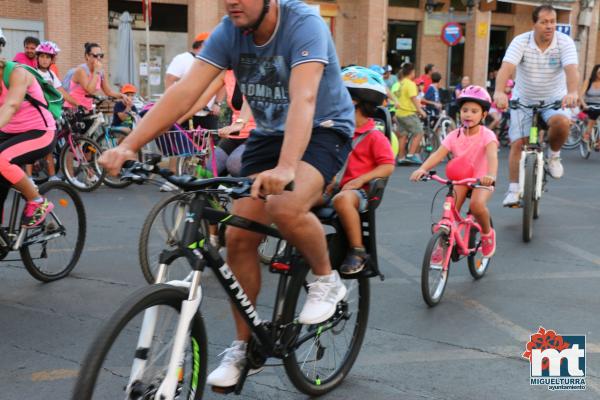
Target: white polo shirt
541, 75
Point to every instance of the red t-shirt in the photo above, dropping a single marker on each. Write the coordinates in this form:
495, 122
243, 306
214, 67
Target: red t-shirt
426, 82
22, 58
372, 151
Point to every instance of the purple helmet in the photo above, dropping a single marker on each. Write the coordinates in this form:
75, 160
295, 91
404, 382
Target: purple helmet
47, 47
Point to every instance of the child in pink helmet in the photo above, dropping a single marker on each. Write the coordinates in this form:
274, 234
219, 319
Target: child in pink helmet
474, 149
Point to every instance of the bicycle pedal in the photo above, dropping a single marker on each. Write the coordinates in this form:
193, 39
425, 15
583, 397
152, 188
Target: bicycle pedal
223, 389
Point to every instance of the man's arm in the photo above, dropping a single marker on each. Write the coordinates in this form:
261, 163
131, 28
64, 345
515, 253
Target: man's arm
303, 88
170, 80
417, 102
507, 70
572, 97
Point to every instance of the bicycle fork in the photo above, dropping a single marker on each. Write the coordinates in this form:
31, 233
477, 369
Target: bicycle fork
189, 307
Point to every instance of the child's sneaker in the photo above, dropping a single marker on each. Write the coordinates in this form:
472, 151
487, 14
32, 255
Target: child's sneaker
35, 212
488, 244
354, 262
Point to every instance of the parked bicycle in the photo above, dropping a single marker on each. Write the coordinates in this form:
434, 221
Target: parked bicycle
168, 356
51, 250
454, 237
532, 166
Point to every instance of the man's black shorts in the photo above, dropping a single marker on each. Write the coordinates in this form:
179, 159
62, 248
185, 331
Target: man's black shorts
326, 151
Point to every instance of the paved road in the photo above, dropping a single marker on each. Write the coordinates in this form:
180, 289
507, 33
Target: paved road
468, 347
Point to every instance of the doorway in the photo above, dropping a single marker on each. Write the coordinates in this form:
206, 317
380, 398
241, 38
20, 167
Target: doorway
402, 43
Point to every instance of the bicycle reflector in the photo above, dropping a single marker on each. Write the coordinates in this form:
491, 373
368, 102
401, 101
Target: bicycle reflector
63, 202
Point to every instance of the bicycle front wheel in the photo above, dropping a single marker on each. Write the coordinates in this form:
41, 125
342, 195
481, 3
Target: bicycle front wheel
478, 264
575, 135
163, 230
107, 367
322, 361
434, 272
79, 164
529, 196
51, 250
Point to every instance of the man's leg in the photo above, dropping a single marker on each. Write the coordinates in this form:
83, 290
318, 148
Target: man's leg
291, 212
558, 132
242, 258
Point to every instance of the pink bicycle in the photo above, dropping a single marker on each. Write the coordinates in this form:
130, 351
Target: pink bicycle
454, 238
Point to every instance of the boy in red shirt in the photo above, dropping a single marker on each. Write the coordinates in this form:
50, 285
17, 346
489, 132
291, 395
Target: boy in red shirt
371, 158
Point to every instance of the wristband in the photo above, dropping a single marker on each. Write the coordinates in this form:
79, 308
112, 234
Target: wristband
240, 121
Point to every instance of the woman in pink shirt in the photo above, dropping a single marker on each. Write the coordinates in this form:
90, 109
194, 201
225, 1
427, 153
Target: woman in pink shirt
26, 135
89, 78
474, 149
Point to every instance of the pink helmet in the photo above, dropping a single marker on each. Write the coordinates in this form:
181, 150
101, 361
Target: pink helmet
47, 48
510, 83
476, 94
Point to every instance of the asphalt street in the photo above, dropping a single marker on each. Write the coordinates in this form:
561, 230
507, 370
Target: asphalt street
468, 347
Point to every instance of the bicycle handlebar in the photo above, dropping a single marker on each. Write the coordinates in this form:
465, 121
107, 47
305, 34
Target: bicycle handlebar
472, 183
138, 172
516, 104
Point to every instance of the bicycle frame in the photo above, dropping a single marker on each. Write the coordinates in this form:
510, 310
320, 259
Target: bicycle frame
200, 254
457, 227
533, 146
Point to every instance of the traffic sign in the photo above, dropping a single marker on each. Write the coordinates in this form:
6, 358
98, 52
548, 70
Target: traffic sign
564, 28
451, 33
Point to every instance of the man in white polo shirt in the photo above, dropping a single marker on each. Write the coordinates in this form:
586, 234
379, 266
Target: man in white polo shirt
545, 62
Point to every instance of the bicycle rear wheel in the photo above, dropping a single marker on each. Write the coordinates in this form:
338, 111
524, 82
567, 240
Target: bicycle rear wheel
51, 250
80, 164
163, 230
107, 366
529, 196
434, 274
320, 364
584, 149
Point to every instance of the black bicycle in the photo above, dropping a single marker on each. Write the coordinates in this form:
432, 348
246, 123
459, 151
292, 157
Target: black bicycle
155, 346
51, 250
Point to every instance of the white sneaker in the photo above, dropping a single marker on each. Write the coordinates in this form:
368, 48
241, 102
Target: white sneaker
54, 179
77, 183
323, 296
511, 199
228, 372
168, 187
555, 167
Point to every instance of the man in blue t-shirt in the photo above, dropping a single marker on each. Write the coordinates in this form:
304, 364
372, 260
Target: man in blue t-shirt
285, 62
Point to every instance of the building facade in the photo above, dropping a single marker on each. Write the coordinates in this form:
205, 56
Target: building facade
365, 31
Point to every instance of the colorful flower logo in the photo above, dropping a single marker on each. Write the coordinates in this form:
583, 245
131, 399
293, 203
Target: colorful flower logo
545, 339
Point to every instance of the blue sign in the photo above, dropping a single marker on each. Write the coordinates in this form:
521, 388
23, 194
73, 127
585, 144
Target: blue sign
564, 28
451, 33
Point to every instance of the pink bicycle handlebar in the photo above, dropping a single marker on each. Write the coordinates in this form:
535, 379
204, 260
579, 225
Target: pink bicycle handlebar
470, 182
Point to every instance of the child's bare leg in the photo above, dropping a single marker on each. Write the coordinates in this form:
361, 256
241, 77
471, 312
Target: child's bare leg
346, 206
51, 167
478, 206
460, 196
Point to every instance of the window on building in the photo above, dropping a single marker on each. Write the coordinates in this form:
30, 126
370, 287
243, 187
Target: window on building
166, 17
404, 3
505, 8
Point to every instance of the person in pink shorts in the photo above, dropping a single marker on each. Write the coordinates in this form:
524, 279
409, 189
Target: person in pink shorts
474, 150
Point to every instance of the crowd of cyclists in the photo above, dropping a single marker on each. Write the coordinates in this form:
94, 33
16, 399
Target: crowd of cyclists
297, 119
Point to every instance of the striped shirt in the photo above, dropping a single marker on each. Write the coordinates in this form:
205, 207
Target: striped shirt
541, 75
